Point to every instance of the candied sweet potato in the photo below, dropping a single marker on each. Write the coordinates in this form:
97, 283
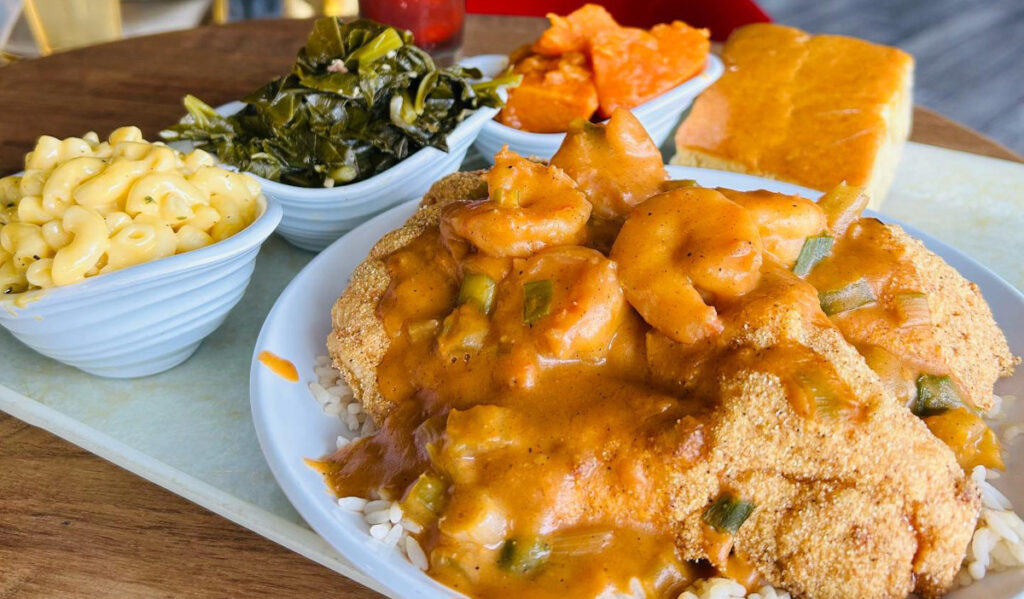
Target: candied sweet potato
553, 92
585, 61
572, 32
685, 49
631, 65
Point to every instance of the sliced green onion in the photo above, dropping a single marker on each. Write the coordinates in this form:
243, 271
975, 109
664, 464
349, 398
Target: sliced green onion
461, 332
912, 308
425, 498
479, 289
678, 184
826, 403
822, 396
420, 330
520, 556
852, 296
343, 173
727, 513
935, 395
506, 198
537, 300
385, 42
843, 205
580, 543
814, 251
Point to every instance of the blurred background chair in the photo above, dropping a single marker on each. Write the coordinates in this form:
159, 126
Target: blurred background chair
40, 27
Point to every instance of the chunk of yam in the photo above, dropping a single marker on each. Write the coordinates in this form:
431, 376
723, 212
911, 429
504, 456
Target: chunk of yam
553, 92
572, 33
632, 66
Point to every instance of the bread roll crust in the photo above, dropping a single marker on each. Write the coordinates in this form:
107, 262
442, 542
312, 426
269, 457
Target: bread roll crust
811, 110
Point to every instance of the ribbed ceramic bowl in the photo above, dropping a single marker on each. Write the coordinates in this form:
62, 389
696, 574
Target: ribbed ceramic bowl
143, 319
315, 217
659, 115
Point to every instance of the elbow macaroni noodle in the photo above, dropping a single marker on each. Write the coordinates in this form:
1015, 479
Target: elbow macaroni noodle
85, 207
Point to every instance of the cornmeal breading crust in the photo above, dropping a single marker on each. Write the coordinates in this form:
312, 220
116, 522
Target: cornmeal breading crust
833, 496
962, 324
358, 342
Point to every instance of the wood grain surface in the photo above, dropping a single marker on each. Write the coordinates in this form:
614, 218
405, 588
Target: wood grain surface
74, 525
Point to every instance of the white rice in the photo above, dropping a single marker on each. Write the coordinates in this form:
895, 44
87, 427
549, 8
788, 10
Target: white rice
415, 553
726, 588
998, 541
352, 504
335, 398
997, 544
714, 588
384, 519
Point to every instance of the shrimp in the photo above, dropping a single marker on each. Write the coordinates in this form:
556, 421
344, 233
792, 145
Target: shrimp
784, 221
681, 248
617, 164
563, 303
530, 207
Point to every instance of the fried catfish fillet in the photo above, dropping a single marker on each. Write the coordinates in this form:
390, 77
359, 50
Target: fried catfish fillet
953, 330
855, 497
358, 341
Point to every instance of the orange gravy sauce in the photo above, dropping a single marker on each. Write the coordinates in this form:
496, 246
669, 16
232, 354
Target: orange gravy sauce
279, 366
588, 444
585, 450
558, 483
866, 252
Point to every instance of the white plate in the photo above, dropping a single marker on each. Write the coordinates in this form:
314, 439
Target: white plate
291, 426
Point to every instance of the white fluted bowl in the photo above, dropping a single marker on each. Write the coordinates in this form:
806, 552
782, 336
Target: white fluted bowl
659, 115
315, 217
143, 319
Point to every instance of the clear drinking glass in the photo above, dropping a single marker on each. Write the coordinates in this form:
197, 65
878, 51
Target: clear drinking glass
436, 24
63, 24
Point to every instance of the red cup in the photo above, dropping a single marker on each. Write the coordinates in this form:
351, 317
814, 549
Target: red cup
436, 24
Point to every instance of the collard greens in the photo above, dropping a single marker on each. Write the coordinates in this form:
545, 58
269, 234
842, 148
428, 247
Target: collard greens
360, 98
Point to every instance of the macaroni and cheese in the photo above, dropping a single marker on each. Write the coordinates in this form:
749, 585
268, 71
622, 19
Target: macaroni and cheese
85, 207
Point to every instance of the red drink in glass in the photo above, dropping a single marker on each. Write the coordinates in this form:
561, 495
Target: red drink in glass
436, 24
